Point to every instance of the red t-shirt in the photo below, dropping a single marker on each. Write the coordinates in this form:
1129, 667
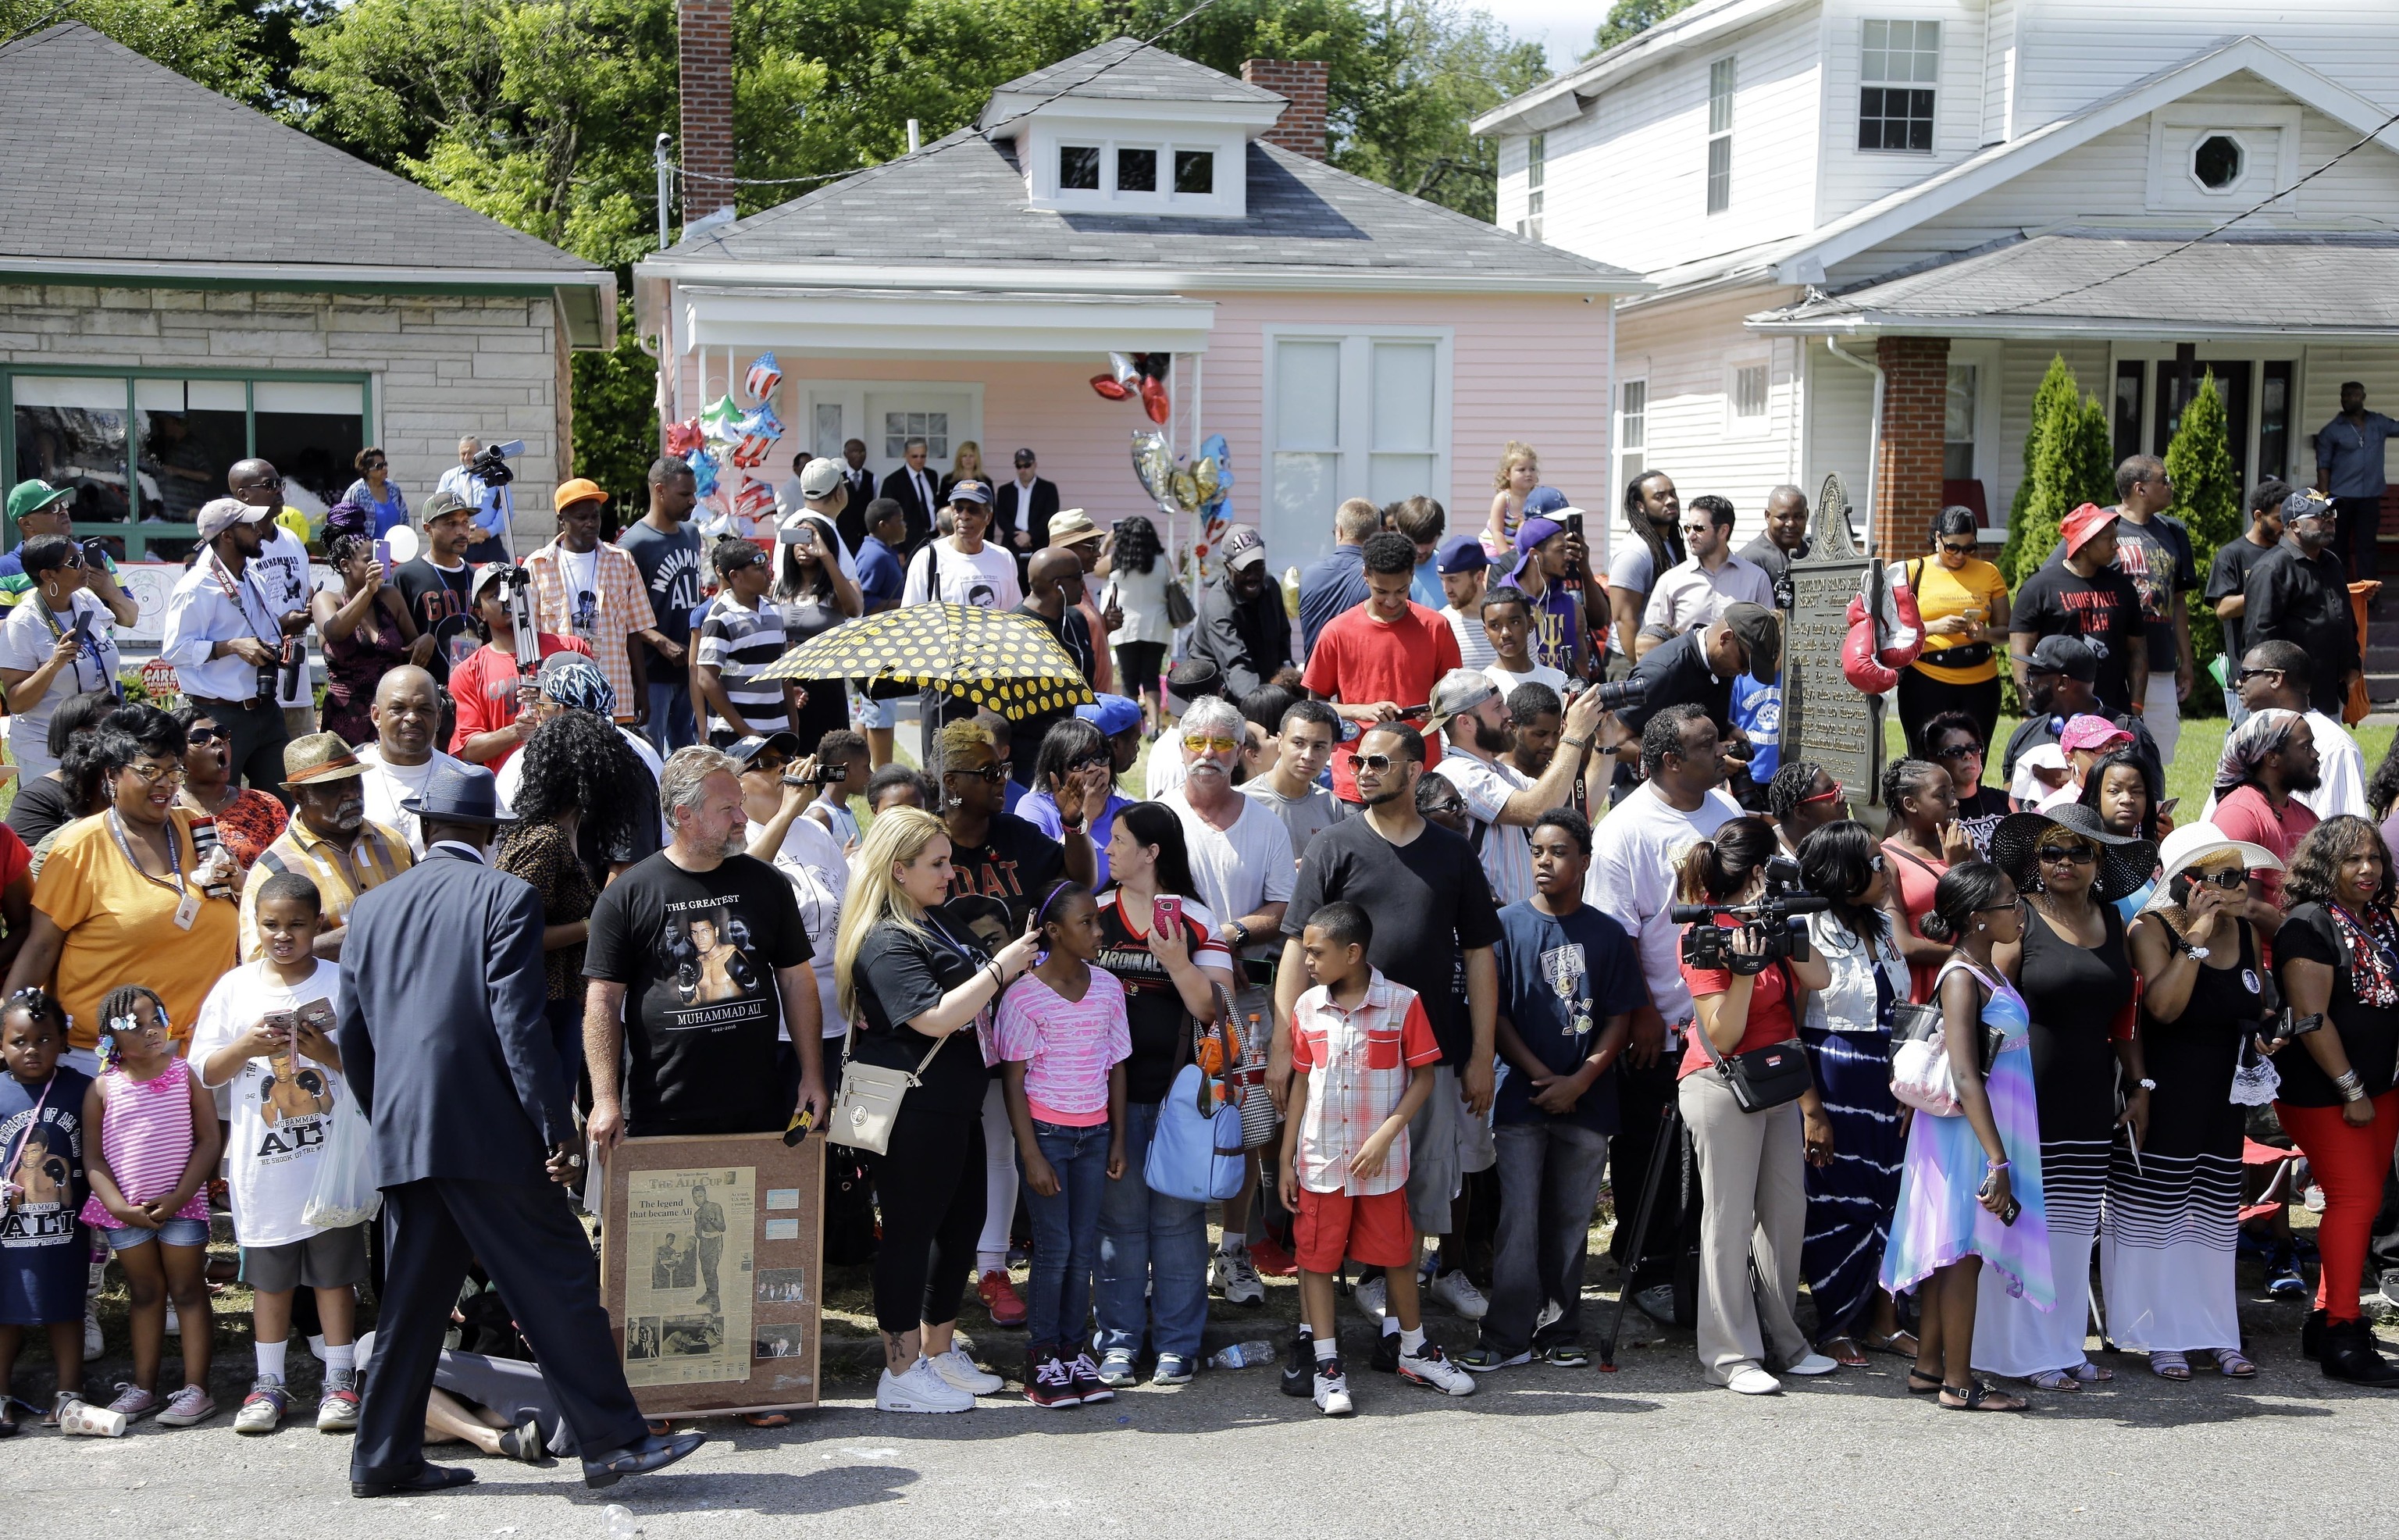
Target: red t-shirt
1769, 1013
15, 860
485, 689
2246, 814
1359, 660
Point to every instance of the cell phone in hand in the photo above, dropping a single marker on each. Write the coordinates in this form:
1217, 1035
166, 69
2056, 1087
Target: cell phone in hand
1166, 912
2166, 808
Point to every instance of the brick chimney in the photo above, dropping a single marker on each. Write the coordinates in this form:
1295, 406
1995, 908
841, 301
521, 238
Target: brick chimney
1301, 128
704, 49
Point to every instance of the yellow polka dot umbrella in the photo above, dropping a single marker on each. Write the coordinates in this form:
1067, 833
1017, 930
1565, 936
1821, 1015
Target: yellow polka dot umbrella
996, 658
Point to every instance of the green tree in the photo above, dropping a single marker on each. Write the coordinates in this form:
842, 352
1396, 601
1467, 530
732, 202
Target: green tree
2055, 409
214, 42
615, 428
2208, 498
1629, 19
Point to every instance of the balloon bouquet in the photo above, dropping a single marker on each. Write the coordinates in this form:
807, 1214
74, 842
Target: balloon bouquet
723, 444
1202, 486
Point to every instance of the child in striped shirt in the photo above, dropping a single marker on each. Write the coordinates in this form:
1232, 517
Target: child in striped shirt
157, 1145
1062, 1039
742, 635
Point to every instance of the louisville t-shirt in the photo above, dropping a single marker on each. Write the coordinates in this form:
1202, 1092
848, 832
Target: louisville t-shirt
282, 1103
696, 952
1015, 863
1359, 660
1154, 1011
1561, 978
2156, 556
1428, 901
2102, 609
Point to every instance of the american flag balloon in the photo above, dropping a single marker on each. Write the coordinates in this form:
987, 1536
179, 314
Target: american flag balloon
763, 377
754, 501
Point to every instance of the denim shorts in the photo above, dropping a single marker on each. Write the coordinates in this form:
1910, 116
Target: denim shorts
174, 1231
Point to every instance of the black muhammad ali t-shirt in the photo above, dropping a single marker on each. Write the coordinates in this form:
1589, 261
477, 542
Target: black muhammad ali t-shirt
696, 952
2103, 609
1015, 863
433, 595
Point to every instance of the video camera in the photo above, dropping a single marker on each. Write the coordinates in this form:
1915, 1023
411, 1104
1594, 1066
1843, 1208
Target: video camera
491, 468
1774, 918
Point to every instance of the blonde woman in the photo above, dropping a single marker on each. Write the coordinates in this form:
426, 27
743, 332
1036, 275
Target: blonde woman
966, 466
912, 981
1519, 473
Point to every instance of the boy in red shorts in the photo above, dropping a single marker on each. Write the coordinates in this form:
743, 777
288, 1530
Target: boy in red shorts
1361, 1057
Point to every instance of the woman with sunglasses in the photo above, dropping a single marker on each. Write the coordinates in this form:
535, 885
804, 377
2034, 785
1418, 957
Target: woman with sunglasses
248, 820
1072, 752
368, 633
1846, 1028
2174, 1210
373, 491
1964, 602
2076, 976
1923, 841
1803, 797
2336, 958
1954, 740
60, 641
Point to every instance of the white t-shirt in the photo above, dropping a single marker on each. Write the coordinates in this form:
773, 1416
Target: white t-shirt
1539, 673
1142, 597
282, 567
26, 641
1637, 856
1236, 868
386, 786
1485, 787
1474, 649
986, 580
511, 775
280, 1105
813, 863
1164, 772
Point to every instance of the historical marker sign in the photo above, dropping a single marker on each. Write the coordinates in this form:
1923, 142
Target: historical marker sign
1825, 718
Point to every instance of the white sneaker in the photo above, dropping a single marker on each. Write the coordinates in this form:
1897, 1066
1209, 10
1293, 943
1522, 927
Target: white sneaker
1231, 1275
1371, 1296
1457, 1291
1812, 1365
1429, 1366
960, 1372
1754, 1381
920, 1390
1332, 1390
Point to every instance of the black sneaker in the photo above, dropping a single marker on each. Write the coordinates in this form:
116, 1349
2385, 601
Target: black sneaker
2349, 1354
1299, 1365
1386, 1358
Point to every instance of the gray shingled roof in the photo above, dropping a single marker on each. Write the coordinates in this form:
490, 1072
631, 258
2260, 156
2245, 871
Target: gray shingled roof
113, 158
1127, 69
962, 200
2098, 280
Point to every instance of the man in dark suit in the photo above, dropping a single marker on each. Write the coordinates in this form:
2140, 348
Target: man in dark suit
445, 1044
1023, 507
915, 489
859, 482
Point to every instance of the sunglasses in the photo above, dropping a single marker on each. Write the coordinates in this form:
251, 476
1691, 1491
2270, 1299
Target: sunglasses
1969, 549
767, 763
203, 735
1833, 795
1198, 745
1959, 752
2227, 879
2058, 855
1376, 764
377, 464
990, 775
2244, 675
1093, 761
153, 774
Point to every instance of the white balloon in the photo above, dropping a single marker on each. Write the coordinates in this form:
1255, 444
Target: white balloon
403, 543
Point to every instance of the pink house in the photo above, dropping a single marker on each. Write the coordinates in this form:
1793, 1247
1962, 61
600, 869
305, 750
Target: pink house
1346, 339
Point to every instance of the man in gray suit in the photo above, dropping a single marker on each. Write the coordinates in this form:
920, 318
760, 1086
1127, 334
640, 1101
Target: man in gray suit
444, 1041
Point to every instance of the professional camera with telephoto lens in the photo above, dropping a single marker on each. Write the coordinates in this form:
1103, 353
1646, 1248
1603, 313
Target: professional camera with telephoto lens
1614, 695
1775, 918
491, 468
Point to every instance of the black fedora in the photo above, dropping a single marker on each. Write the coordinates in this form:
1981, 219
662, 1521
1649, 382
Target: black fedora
2126, 861
459, 794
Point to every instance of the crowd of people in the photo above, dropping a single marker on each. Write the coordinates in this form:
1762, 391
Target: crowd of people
1401, 895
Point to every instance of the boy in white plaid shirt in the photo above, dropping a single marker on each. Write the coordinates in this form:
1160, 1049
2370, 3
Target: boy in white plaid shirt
1363, 1058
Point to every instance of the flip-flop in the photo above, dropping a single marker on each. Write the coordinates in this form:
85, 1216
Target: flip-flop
767, 1419
2054, 1379
1890, 1344
2091, 1373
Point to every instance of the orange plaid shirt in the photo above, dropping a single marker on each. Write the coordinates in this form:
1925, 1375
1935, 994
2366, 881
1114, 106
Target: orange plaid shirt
620, 607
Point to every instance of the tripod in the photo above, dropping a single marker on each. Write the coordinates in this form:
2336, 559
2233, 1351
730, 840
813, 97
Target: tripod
1666, 1152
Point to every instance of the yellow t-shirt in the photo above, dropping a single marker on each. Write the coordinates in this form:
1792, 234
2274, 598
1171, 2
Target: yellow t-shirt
120, 928
1940, 594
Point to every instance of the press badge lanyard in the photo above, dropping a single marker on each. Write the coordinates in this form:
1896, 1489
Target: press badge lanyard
187, 907
87, 647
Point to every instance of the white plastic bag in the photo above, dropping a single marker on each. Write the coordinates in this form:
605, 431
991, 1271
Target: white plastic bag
345, 1193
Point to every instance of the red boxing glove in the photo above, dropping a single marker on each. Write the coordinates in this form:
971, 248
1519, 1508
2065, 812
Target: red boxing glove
1907, 639
1859, 665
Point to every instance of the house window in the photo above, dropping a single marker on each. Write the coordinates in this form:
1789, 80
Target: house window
1899, 68
931, 426
1136, 171
828, 435
2216, 162
1748, 396
2274, 420
2132, 381
145, 452
1079, 167
1632, 428
1720, 89
1958, 424
1195, 171
1537, 155
1356, 415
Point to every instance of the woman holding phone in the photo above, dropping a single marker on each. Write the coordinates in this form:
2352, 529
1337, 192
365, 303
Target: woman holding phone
60, 641
816, 593
368, 633
1160, 943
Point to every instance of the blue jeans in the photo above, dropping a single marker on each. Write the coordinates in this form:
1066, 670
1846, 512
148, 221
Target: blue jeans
670, 726
1549, 1177
1065, 1231
1150, 1244
170, 1231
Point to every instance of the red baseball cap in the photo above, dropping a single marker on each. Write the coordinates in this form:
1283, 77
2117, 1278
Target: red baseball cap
2084, 522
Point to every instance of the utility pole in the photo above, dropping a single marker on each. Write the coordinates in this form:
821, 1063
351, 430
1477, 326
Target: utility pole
666, 185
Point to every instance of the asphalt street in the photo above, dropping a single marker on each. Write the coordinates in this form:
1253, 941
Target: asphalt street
1648, 1451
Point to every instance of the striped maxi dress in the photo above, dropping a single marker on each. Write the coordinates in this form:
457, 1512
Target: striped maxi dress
1846, 1029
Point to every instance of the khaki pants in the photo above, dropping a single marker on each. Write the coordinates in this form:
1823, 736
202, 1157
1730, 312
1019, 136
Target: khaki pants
1753, 1182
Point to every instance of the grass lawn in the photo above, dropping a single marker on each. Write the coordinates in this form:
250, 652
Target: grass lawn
2195, 755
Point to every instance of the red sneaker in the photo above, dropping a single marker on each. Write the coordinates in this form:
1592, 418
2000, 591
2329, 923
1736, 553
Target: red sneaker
1272, 1260
999, 1297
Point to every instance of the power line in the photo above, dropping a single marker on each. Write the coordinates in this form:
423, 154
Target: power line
2178, 248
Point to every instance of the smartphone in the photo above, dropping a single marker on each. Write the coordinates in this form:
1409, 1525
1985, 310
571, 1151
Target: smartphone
1165, 912
383, 556
2166, 808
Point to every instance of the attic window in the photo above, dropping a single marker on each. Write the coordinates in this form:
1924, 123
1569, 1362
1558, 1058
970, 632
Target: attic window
1195, 171
1136, 171
2216, 163
1079, 167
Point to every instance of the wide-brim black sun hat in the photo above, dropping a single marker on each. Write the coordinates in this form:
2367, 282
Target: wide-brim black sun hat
2125, 862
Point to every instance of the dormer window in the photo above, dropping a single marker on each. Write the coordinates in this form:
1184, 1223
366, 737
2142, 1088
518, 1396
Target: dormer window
1079, 167
1136, 171
1140, 168
1194, 172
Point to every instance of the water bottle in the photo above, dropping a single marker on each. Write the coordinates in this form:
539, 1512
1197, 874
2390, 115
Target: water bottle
1242, 1355
621, 1523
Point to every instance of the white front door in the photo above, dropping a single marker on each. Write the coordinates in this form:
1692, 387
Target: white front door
887, 414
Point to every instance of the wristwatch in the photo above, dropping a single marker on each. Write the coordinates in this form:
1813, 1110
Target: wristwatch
1241, 933
2147, 1083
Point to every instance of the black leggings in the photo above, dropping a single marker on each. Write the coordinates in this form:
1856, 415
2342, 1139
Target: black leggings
930, 1185
1922, 697
1137, 666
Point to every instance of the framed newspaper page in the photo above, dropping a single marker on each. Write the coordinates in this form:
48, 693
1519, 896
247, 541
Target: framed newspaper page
711, 1266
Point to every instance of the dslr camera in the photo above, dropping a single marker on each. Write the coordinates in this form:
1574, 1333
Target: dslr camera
1613, 695
1775, 918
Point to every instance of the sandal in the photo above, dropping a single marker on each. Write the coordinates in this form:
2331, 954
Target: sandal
1901, 1343
1833, 1348
1921, 1384
2234, 1364
2091, 1373
2052, 1379
767, 1419
1979, 1396
2168, 1364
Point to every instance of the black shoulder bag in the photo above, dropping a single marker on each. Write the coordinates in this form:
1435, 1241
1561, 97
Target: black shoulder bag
1768, 1077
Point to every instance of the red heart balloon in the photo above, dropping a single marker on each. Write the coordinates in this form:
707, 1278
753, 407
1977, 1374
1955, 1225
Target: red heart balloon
1110, 387
1153, 400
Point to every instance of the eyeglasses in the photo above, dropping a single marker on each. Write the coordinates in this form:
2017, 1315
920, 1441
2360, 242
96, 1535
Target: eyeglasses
990, 775
153, 774
2016, 903
1959, 752
1198, 745
2058, 855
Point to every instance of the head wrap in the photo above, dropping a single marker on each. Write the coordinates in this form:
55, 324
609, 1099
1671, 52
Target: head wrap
577, 681
2259, 736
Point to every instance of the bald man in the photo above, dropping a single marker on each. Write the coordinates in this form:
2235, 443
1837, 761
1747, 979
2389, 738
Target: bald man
1784, 540
407, 713
280, 569
1054, 578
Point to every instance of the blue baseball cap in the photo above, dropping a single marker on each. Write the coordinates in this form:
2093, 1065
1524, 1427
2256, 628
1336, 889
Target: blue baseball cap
1542, 500
1111, 714
1460, 553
